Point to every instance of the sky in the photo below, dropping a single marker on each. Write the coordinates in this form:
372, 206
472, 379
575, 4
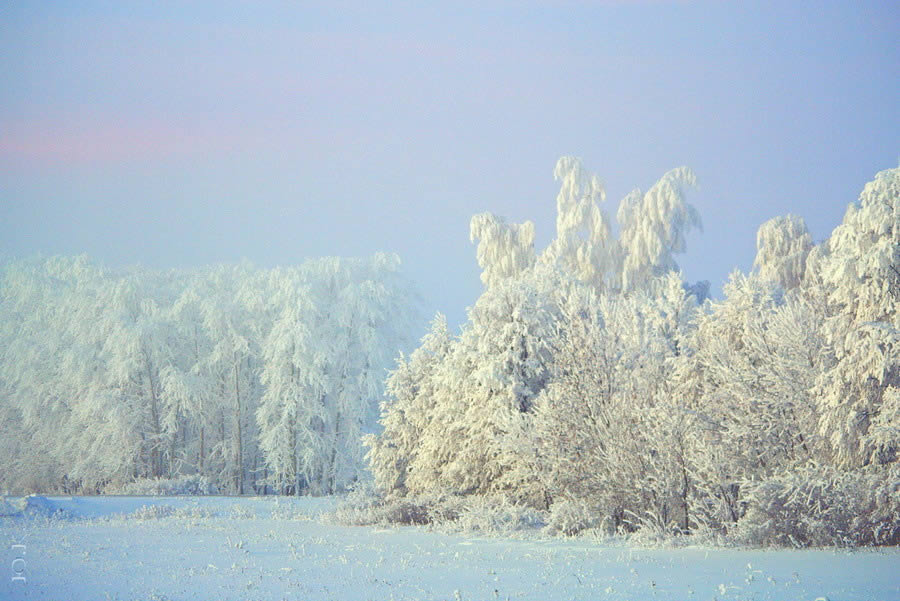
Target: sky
183, 134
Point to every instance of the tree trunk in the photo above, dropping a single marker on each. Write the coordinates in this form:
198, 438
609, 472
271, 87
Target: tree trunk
239, 441
155, 463
201, 467
332, 467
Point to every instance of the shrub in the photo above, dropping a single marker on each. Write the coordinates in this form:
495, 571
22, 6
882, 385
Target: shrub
362, 507
822, 506
487, 515
496, 516
568, 517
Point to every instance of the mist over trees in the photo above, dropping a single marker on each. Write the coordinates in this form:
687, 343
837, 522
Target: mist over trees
241, 379
592, 382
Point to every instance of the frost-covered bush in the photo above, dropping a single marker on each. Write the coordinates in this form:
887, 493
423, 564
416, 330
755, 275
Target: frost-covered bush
193, 485
494, 515
363, 507
451, 513
358, 508
823, 506
435, 509
569, 517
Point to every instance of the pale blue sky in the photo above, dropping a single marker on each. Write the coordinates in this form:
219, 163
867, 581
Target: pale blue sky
175, 136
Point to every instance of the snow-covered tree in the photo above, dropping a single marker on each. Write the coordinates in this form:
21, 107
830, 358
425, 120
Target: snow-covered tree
325, 360
411, 387
291, 375
863, 264
584, 246
782, 246
218, 386
654, 227
504, 250
488, 380
31, 394
756, 357
861, 275
609, 431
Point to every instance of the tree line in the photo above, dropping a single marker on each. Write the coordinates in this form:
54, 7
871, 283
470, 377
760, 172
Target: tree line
256, 380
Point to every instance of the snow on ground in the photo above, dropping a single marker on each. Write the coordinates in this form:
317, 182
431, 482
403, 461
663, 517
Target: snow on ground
267, 548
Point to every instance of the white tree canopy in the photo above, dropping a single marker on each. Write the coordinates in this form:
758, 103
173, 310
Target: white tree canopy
254, 379
504, 250
584, 245
654, 227
782, 246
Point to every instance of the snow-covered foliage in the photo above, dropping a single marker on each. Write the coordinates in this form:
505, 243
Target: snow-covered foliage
782, 245
593, 383
569, 517
324, 360
584, 245
256, 380
654, 227
860, 278
824, 506
862, 270
504, 250
412, 386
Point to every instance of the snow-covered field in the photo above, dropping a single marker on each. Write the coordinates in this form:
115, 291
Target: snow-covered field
222, 548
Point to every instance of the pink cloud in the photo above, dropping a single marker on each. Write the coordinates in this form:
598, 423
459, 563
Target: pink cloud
50, 142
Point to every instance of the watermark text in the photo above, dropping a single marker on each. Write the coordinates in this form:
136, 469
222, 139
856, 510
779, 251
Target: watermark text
18, 564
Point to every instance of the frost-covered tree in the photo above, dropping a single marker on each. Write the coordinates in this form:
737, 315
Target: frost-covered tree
857, 398
861, 276
782, 246
291, 375
756, 357
32, 397
88, 386
488, 380
215, 381
123, 393
654, 227
863, 263
504, 250
412, 387
189, 386
325, 360
609, 431
584, 245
